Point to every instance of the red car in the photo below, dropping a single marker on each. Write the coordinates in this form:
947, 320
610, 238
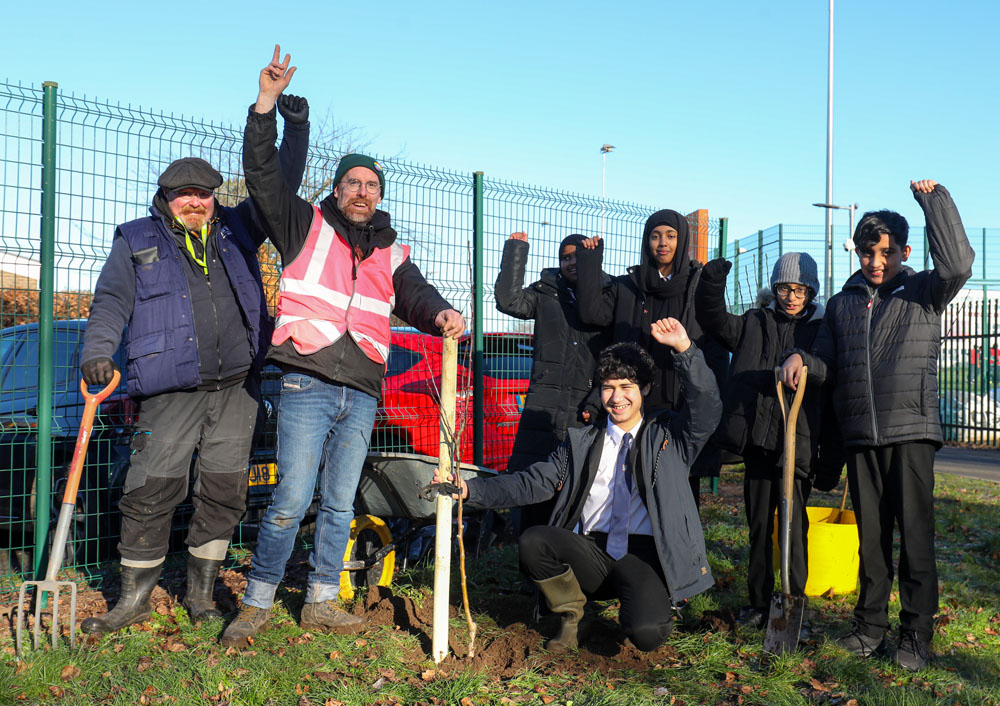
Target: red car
408, 417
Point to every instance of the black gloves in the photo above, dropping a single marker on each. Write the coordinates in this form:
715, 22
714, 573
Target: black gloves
98, 371
294, 109
716, 270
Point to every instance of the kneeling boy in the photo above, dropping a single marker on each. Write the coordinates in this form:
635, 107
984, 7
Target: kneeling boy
624, 523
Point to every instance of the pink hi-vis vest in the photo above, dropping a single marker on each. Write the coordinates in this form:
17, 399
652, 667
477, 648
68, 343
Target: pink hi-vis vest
319, 301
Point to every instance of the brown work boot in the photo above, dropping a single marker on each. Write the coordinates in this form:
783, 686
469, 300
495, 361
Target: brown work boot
564, 596
247, 624
327, 616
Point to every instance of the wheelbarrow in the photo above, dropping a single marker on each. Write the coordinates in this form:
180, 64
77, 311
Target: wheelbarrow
390, 488
50, 584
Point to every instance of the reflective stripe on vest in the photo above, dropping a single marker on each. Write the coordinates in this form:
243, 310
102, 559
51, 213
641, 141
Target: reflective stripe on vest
319, 301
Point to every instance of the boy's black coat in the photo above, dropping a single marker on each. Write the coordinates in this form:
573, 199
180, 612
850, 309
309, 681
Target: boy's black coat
880, 346
666, 447
565, 355
751, 415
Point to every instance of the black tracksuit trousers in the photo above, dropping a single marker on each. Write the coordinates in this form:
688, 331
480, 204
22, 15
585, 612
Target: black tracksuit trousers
636, 579
762, 496
894, 485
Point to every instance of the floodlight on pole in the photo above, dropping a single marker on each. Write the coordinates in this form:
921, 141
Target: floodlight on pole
605, 148
848, 244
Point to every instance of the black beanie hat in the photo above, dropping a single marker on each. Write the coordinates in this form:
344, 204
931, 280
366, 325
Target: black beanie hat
350, 161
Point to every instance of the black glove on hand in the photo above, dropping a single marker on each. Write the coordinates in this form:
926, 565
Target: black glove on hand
294, 109
98, 371
717, 270
826, 480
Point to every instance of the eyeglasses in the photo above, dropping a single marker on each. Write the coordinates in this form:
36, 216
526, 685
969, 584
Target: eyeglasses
351, 185
786, 290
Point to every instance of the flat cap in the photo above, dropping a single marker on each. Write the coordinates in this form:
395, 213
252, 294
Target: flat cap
190, 172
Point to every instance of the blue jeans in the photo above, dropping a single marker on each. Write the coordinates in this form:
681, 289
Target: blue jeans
323, 430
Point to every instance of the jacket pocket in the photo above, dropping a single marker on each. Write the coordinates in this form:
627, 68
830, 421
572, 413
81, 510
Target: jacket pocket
153, 280
148, 345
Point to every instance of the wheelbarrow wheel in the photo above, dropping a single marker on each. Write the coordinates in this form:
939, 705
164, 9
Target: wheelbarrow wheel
369, 534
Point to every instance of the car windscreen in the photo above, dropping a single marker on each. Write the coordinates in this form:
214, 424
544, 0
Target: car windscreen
504, 357
20, 359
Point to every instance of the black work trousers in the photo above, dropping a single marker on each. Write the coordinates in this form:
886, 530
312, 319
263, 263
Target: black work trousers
636, 579
894, 485
762, 496
219, 424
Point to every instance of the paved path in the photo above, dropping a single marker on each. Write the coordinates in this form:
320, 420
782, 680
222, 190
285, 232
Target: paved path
972, 463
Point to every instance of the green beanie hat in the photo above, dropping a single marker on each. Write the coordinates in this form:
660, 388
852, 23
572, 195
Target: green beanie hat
350, 161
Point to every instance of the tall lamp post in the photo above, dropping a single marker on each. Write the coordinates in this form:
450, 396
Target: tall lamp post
828, 259
848, 245
605, 148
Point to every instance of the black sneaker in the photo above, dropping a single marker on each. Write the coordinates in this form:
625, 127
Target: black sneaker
912, 652
862, 645
753, 618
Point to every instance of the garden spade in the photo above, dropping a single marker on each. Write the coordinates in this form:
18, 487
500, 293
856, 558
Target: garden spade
50, 585
785, 619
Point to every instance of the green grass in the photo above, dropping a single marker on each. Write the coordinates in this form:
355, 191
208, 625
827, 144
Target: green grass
173, 662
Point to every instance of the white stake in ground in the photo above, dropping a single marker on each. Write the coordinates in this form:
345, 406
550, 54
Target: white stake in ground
442, 542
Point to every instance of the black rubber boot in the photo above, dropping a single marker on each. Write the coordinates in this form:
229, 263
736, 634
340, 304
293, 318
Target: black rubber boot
200, 584
564, 596
133, 605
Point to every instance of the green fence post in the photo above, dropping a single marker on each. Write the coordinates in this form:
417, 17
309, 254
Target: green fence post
43, 475
737, 299
477, 319
723, 236
760, 262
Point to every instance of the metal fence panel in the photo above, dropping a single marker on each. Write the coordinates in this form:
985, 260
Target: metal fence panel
108, 158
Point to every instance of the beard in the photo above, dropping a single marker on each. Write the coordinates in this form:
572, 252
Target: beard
194, 219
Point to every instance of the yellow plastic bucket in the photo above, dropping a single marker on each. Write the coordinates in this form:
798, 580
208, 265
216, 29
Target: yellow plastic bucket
833, 551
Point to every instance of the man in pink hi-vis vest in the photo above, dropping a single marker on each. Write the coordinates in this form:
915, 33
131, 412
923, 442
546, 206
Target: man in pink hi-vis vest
343, 275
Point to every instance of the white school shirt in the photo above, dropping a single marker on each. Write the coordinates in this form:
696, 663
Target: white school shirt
596, 514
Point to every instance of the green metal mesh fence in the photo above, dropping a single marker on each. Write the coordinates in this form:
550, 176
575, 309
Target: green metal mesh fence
107, 161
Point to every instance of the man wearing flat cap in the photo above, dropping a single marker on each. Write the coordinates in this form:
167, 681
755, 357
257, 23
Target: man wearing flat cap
343, 274
186, 282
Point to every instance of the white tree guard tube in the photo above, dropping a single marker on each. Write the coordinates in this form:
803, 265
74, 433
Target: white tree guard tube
442, 542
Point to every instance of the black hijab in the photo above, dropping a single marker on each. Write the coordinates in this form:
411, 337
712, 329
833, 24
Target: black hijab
663, 298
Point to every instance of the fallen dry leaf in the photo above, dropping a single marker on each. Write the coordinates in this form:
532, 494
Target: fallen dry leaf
56, 691
144, 663
818, 685
69, 672
428, 675
547, 699
176, 647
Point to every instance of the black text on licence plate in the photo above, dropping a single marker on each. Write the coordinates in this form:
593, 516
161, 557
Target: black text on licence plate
263, 473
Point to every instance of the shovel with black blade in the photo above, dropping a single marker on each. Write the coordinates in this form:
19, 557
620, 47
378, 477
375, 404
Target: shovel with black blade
785, 619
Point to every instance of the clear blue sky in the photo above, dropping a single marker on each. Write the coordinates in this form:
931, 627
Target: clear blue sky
715, 104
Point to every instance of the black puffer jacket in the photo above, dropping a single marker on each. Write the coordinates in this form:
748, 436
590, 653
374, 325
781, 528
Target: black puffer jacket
751, 415
565, 354
665, 447
623, 311
881, 345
